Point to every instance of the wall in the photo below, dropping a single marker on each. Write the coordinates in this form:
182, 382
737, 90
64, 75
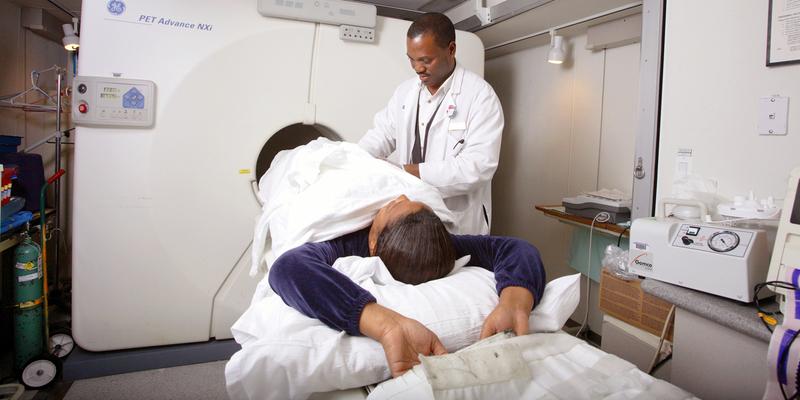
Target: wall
12, 66
714, 74
569, 129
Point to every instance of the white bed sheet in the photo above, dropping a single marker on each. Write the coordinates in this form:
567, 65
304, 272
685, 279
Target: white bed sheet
554, 366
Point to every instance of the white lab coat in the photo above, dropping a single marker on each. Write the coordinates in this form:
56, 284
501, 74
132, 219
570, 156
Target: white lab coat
463, 146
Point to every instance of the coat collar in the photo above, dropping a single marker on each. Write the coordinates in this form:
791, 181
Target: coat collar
453, 83
411, 102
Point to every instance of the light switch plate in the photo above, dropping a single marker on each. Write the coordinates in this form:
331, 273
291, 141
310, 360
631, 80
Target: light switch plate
773, 115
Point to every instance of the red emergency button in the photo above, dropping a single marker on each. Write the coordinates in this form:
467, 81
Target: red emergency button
83, 108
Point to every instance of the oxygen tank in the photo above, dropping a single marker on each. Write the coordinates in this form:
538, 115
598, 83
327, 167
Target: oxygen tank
28, 318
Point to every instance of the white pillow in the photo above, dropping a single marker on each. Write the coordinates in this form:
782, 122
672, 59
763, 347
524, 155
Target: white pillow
559, 300
288, 355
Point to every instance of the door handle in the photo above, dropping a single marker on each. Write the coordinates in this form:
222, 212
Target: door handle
638, 169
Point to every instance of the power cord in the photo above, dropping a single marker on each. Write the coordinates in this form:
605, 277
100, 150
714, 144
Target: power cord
765, 316
600, 217
621, 234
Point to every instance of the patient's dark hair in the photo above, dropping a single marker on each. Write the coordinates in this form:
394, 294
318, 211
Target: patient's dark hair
417, 248
434, 23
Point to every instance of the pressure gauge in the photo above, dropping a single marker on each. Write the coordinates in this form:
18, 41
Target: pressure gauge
723, 241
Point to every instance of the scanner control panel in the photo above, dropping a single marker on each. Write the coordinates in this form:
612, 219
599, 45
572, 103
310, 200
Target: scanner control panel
102, 101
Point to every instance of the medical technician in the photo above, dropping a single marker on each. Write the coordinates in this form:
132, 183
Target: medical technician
444, 126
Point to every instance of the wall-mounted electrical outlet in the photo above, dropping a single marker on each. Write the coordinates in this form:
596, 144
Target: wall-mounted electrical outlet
356, 33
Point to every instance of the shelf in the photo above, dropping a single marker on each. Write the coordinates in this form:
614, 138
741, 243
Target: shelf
11, 238
558, 213
6, 244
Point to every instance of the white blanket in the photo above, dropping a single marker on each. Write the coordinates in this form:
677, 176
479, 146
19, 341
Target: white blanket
323, 190
288, 355
537, 366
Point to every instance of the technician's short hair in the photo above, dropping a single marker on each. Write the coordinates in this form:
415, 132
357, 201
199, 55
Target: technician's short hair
434, 23
417, 248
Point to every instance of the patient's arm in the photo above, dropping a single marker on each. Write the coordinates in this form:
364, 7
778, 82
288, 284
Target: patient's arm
305, 279
518, 271
403, 339
515, 262
512, 312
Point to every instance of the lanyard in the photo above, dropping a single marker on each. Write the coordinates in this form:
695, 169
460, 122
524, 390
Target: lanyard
417, 153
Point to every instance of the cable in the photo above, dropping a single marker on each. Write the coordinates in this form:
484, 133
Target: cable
600, 217
661, 363
763, 320
762, 313
667, 323
619, 239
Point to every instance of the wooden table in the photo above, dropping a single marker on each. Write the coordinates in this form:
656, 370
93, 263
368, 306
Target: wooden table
558, 213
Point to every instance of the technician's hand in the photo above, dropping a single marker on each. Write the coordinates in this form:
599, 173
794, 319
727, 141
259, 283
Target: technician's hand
412, 169
403, 339
512, 312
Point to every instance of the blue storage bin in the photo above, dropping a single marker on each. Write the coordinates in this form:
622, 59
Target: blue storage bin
9, 144
14, 206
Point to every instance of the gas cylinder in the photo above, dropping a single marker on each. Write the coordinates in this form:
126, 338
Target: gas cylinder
28, 297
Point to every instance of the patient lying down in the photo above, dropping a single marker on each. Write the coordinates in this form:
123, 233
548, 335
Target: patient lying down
415, 247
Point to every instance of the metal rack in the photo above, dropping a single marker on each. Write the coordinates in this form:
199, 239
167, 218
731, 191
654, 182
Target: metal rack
50, 104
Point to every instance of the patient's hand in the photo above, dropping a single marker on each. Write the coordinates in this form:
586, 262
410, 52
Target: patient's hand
403, 339
512, 312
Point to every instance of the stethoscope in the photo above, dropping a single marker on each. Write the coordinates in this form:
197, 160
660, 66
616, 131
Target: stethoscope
450, 112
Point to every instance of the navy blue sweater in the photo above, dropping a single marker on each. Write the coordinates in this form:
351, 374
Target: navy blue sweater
306, 281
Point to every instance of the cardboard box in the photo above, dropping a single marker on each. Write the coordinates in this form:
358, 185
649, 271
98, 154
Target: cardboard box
626, 301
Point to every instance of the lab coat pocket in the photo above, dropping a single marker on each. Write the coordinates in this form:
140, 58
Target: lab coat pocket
455, 141
458, 205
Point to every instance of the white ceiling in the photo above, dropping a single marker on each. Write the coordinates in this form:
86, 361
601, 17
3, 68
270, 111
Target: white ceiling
553, 13
556, 14
544, 17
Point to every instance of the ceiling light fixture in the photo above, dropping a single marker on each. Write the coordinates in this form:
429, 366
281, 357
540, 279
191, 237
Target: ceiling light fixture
70, 40
556, 54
